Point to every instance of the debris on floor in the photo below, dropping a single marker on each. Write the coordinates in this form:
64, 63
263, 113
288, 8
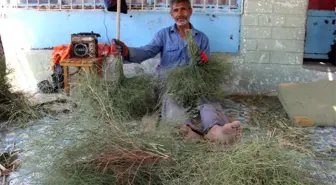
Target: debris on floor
8, 162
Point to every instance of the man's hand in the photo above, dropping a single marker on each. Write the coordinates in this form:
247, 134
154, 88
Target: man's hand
203, 59
119, 47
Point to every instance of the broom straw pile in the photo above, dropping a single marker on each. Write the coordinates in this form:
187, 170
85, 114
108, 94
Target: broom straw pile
191, 83
106, 150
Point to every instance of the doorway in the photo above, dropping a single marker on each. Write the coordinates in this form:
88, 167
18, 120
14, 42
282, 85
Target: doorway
320, 30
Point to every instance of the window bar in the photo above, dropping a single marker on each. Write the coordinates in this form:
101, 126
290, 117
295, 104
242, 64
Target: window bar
48, 4
9, 4
26, 4
154, 5
142, 4
130, 6
94, 4
71, 4
82, 4
204, 4
167, 3
229, 6
38, 4
217, 5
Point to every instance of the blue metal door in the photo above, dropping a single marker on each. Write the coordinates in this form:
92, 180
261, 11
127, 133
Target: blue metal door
321, 28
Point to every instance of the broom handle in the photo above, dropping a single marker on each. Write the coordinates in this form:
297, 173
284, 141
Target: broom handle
119, 64
118, 19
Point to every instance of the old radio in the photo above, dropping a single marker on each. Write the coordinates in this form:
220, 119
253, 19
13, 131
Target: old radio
84, 45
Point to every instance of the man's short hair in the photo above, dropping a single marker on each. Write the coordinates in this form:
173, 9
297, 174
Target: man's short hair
179, 1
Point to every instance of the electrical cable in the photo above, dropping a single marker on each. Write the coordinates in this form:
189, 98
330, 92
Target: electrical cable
106, 31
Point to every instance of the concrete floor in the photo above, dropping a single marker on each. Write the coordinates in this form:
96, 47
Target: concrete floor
319, 66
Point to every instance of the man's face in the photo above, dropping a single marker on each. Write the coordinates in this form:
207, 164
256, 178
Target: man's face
181, 13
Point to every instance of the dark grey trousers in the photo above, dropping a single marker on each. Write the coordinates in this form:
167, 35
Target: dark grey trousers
211, 113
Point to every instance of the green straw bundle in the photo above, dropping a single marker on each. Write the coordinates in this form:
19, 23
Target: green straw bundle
121, 98
193, 82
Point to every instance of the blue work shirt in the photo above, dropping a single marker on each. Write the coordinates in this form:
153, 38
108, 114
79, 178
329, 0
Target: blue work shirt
172, 48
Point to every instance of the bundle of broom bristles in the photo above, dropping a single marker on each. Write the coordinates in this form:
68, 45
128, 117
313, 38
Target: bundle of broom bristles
15, 109
109, 148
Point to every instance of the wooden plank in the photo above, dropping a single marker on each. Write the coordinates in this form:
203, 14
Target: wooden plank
66, 80
310, 104
81, 60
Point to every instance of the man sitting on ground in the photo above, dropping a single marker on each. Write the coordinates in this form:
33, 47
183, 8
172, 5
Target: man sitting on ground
171, 43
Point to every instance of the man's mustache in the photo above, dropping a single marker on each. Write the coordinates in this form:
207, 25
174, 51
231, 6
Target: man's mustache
181, 18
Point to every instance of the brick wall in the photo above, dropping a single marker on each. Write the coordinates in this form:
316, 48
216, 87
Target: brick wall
273, 31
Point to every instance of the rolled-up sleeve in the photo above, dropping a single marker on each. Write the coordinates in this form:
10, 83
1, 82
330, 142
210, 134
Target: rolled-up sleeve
140, 54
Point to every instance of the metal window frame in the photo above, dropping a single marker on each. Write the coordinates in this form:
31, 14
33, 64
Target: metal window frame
154, 6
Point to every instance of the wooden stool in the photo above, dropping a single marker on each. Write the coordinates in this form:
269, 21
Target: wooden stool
85, 63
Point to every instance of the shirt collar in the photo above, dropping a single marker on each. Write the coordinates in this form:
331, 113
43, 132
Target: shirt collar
193, 30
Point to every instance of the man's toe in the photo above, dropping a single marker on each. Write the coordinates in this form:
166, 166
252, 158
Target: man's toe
235, 124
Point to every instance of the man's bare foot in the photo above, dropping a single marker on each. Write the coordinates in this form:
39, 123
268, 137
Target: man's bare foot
225, 134
190, 134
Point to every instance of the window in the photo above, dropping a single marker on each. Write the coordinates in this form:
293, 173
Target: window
205, 6
60, 4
